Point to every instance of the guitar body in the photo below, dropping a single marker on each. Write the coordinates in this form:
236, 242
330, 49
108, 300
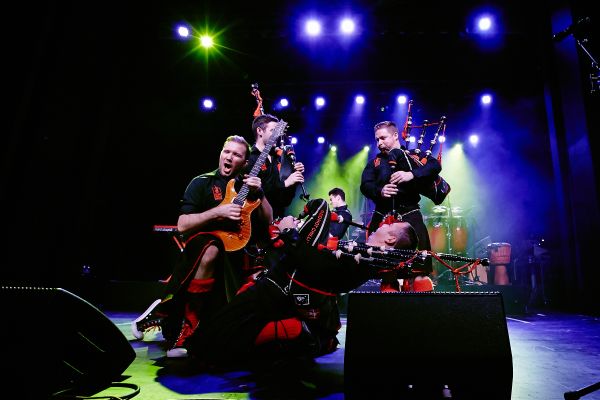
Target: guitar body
239, 236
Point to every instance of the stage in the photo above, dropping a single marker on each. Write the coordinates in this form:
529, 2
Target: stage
552, 353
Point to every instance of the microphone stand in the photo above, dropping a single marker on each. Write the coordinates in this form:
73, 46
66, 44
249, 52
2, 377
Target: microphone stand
595, 74
576, 30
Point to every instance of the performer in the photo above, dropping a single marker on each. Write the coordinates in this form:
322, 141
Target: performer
393, 182
198, 285
279, 178
338, 228
291, 309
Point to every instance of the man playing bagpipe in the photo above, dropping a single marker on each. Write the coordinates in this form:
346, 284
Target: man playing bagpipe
291, 308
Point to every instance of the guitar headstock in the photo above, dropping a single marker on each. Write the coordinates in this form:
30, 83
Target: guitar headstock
278, 132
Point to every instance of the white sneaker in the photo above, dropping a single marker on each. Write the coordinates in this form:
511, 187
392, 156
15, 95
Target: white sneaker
177, 352
145, 321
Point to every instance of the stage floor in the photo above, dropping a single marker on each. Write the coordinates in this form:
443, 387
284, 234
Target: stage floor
552, 352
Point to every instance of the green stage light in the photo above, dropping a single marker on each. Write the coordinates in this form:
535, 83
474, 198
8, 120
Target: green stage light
206, 41
330, 174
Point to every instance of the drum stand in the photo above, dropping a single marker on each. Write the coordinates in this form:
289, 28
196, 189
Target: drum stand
448, 222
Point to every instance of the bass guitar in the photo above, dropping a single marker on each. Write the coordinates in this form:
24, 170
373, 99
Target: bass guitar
237, 237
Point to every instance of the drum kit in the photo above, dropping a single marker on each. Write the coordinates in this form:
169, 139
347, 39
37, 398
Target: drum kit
447, 229
448, 232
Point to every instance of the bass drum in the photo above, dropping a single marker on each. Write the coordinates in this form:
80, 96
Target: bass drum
459, 235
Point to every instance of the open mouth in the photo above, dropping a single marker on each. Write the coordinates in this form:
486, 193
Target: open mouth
227, 168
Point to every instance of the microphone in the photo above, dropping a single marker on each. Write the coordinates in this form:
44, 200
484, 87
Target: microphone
576, 27
335, 217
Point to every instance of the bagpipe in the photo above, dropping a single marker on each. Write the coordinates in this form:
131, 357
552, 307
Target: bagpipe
437, 190
408, 263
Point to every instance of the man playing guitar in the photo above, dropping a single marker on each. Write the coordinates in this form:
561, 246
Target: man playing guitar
198, 286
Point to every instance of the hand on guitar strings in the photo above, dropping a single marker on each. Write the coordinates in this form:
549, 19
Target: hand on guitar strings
229, 211
254, 183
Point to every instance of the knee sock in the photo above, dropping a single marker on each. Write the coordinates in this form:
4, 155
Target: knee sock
286, 329
196, 293
422, 284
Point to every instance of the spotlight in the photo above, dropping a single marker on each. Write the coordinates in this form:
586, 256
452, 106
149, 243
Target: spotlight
313, 27
294, 140
486, 99
183, 31
284, 102
359, 99
401, 99
366, 148
484, 24
320, 102
474, 139
412, 139
206, 41
333, 148
320, 140
347, 26
207, 104
442, 139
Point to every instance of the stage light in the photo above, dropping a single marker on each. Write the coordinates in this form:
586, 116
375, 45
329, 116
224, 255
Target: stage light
366, 148
333, 148
486, 99
401, 99
442, 139
412, 139
294, 140
359, 99
474, 139
313, 27
207, 104
206, 41
320, 102
183, 31
347, 26
284, 102
320, 140
484, 24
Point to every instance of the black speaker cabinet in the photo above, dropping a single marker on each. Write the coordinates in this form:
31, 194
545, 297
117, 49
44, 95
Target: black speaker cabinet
410, 345
55, 340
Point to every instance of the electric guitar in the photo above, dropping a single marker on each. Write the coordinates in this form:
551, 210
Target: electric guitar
237, 237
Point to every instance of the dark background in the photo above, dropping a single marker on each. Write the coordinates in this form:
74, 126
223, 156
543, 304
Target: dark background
103, 129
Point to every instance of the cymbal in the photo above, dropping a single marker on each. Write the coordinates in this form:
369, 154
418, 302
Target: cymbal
457, 210
439, 209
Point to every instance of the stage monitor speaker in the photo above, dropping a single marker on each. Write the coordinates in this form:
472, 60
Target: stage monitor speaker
56, 341
410, 345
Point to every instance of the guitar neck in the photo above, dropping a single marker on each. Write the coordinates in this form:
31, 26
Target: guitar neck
241, 197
